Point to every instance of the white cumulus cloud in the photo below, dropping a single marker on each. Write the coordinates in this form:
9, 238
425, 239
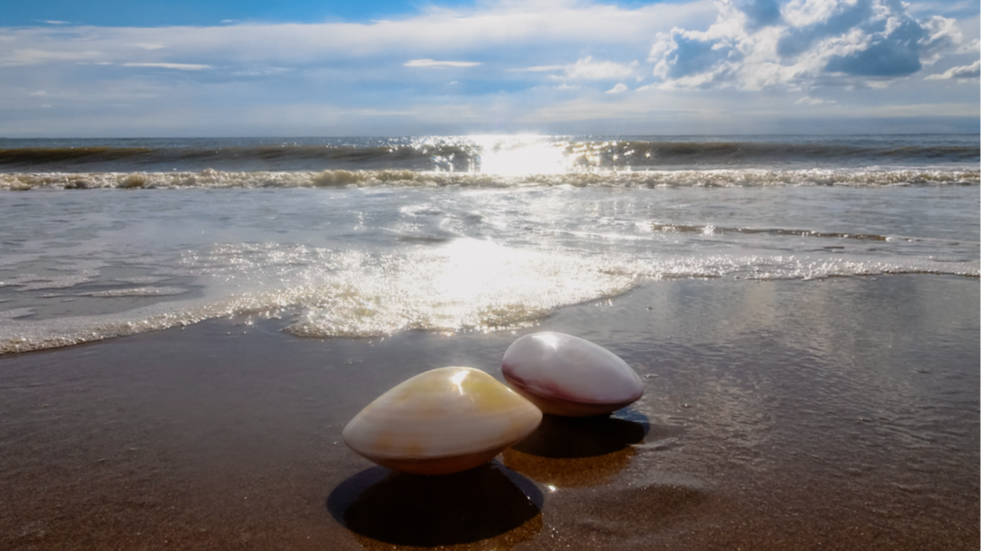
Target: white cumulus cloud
756, 44
963, 72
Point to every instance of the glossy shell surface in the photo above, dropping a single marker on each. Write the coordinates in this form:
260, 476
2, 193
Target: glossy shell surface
442, 421
566, 375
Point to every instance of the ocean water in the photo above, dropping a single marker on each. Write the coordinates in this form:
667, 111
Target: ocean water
369, 237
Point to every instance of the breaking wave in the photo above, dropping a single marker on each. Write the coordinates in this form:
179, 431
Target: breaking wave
463, 286
722, 178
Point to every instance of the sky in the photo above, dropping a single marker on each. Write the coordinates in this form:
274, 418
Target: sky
187, 68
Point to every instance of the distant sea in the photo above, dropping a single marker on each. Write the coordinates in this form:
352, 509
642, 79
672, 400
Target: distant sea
373, 236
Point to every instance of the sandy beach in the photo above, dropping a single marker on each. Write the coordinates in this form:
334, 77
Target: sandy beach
834, 414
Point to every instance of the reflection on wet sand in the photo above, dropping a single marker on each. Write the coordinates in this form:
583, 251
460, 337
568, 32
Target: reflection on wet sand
489, 507
572, 452
568, 437
575, 472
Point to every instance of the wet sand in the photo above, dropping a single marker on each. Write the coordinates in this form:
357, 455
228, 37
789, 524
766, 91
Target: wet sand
836, 414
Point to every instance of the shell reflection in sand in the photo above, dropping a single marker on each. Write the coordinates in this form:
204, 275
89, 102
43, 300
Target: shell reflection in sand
489, 507
574, 452
575, 472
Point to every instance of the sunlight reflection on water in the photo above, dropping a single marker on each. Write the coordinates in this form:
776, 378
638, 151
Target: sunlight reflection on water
521, 155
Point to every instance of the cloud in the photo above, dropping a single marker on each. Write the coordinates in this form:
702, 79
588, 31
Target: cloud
177, 66
974, 46
757, 44
507, 28
807, 100
543, 68
963, 72
618, 89
38, 56
587, 69
941, 37
439, 64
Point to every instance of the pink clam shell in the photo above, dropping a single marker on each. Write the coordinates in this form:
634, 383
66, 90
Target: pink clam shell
566, 375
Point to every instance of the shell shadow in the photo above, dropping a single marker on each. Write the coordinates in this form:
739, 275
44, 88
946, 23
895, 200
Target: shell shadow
577, 437
414, 510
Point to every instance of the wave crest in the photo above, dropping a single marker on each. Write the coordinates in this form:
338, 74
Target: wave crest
215, 179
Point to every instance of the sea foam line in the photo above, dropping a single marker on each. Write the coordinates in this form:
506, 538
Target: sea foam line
446, 293
720, 178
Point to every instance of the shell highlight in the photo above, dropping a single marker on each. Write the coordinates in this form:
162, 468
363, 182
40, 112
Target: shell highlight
566, 375
442, 421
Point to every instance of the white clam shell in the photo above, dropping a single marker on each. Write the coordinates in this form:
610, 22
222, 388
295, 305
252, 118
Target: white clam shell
442, 421
566, 375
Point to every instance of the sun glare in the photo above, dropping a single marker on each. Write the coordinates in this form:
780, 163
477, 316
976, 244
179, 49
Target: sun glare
520, 155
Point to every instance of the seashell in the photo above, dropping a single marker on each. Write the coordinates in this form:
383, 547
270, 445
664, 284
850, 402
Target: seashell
566, 375
442, 421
